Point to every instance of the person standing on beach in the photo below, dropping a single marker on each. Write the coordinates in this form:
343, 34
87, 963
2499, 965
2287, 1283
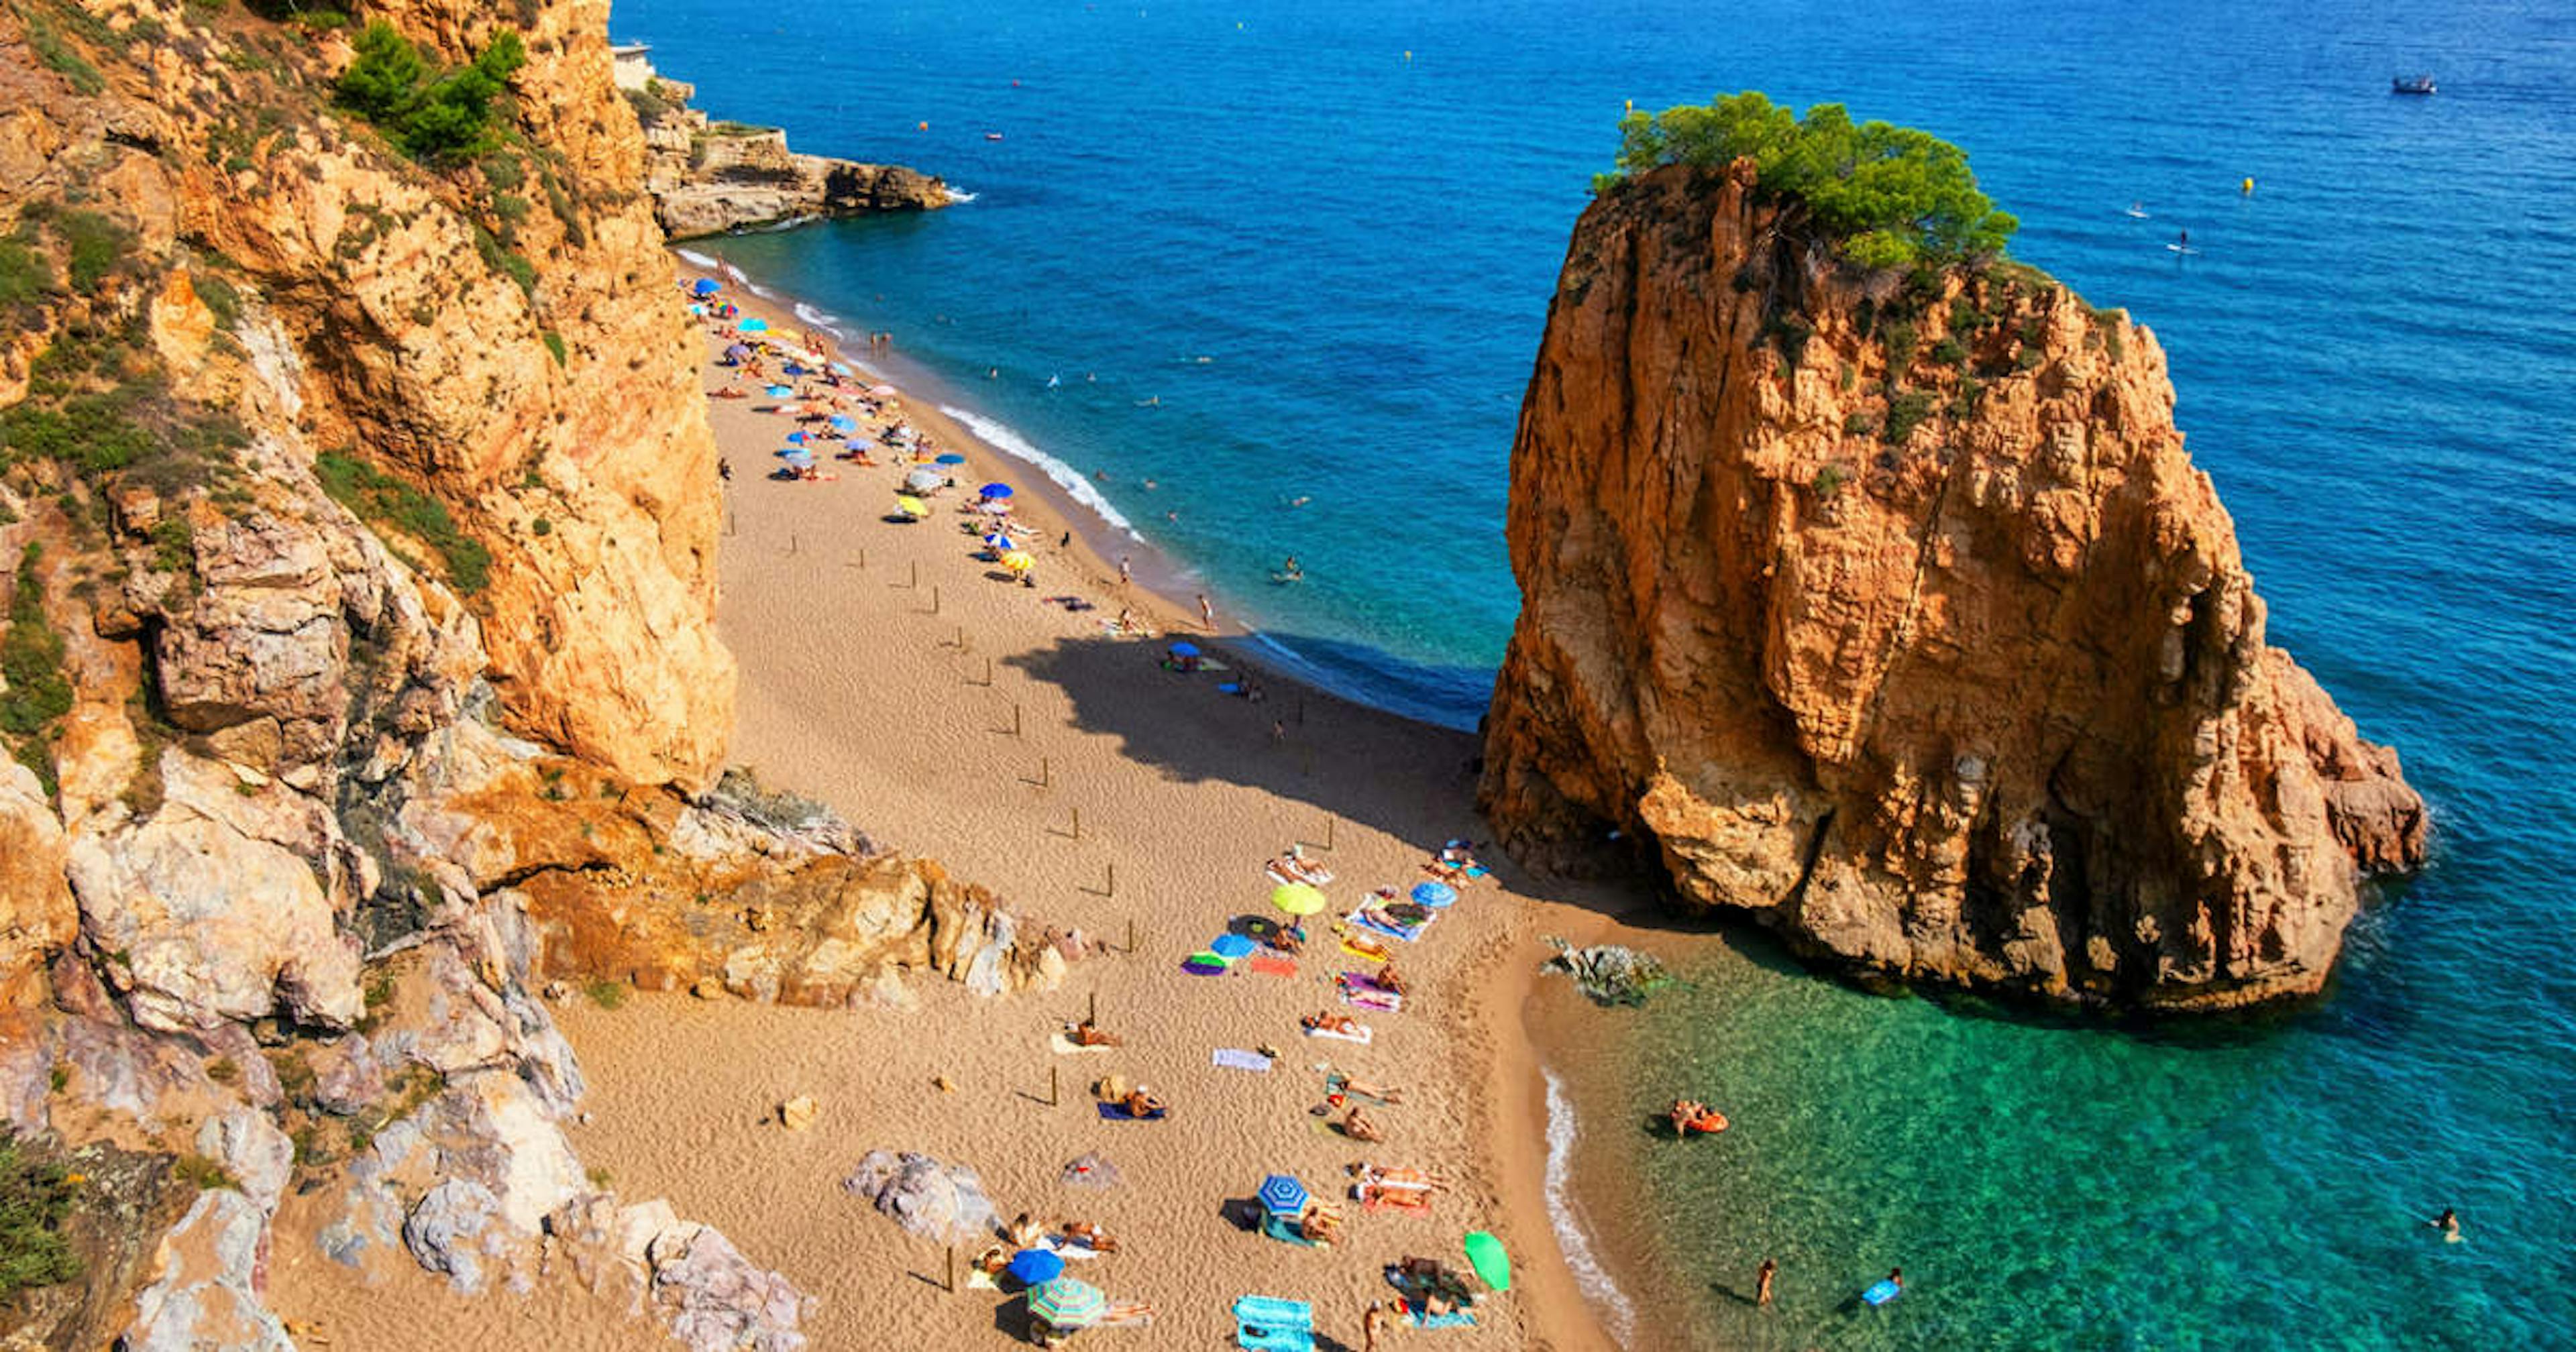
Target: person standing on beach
1374, 1324
1207, 613
1762, 1282
1125, 573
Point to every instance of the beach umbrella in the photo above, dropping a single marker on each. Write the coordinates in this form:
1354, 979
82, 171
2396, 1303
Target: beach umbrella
753, 326
1067, 1303
798, 438
923, 480
883, 391
1204, 964
737, 352
1032, 1266
999, 543
1297, 898
1231, 947
952, 458
1019, 561
1486, 1255
798, 457
995, 490
842, 368
911, 506
795, 370
706, 286
1282, 1195
1184, 648
780, 391
1434, 894
843, 422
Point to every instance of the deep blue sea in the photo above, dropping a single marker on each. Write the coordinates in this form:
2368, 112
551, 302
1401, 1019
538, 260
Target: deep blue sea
1322, 236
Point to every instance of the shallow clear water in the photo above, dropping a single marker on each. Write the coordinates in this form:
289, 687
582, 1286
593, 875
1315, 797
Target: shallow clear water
2374, 358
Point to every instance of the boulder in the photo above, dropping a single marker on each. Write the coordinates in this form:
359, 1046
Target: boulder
37, 914
457, 1228
204, 1291
945, 1202
718, 1301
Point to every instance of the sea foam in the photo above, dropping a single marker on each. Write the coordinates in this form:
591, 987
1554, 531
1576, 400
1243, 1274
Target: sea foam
1001, 437
694, 257
1576, 1245
821, 319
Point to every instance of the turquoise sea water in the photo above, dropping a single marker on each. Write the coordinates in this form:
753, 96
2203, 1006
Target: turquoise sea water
2376, 363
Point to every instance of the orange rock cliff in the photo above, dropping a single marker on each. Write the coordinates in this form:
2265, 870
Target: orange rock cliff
1890, 611
359, 686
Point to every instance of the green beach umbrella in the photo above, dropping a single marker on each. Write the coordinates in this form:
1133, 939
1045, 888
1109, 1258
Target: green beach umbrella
1297, 898
1066, 1303
1485, 1254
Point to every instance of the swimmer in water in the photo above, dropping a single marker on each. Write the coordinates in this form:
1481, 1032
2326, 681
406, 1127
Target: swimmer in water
1155, 402
2449, 1224
1299, 502
1149, 483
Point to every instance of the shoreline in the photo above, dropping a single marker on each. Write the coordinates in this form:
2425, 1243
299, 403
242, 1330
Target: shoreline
1494, 1068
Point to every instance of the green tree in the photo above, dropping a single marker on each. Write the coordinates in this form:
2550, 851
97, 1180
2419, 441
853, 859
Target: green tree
1892, 195
441, 119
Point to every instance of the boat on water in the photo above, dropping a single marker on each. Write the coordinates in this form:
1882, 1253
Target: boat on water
2410, 84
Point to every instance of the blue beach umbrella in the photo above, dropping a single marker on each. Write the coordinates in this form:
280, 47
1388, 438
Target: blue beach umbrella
995, 490
795, 370
952, 458
800, 459
842, 369
1282, 1195
843, 422
706, 286
1032, 1266
780, 391
798, 438
1231, 946
753, 326
1434, 894
1184, 648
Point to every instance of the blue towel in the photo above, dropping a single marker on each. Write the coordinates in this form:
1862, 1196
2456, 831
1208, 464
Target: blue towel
1117, 1112
1455, 1319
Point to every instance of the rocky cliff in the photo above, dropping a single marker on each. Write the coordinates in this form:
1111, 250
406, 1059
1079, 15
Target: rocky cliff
1890, 610
358, 680
707, 177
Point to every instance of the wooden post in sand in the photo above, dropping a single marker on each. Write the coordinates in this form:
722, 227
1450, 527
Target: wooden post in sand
1131, 936
863, 558
791, 542
1328, 832
1077, 823
1111, 889
1015, 718
915, 584
1045, 775
934, 598
952, 1269
1055, 1087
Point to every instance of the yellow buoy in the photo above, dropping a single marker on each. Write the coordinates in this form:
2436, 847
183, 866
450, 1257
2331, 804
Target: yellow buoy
1408, 53
2247, 187
923, 127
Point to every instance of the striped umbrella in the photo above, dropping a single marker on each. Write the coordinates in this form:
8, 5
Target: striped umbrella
1067, 1303
1282, 1195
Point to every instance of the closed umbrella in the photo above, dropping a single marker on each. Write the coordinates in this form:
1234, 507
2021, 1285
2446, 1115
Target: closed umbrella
1032, 1266
1067, 1303
1297, 898
995, 490
1434, 894
1282, 1195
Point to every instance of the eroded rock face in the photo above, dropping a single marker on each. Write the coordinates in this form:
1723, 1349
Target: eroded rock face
707, 178
205, 1292
1900, 619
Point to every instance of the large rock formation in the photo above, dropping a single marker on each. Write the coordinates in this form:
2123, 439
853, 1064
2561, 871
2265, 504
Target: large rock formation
707, 177
1890, 610
358, 676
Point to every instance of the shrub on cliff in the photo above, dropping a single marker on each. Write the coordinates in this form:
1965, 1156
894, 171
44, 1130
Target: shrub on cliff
442, 119
1893, 196
36, 1197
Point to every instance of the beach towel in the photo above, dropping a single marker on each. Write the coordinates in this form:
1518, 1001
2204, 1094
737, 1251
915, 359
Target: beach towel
1377, 923
1364, 955
1408, 1201
1454, 1319
1370, 997
979, 1280
1062, 1247
1117, 1112
1235, 1058
1360, 1036
1339, 1083
1266, 964
1314, 877
1065, 1046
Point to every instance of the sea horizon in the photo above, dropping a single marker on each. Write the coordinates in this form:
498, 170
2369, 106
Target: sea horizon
2386, 466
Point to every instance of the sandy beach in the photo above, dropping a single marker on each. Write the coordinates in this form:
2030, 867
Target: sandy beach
951, 712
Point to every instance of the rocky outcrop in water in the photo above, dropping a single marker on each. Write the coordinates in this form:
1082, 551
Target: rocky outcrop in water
358, 678
1891, 611
707, 177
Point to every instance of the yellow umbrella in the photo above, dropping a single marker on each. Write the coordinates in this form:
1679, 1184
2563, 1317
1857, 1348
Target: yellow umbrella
1018, 561
1297, 898
910, 505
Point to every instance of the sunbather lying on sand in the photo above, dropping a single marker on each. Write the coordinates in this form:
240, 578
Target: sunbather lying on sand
1387, 1176
1378, 1196
1088, 1034
1357, 1126
1388, 979
1321, 1224
1025, 1232
1124, 1313
993, 1259
1142, 1102
1331, 1023
1363, 1089
1089, 1236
